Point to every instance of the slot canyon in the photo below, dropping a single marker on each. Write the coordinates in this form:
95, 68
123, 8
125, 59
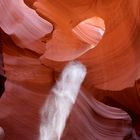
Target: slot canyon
69, 70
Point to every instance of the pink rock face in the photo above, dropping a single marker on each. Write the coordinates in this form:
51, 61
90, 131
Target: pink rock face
41, 36
24, 25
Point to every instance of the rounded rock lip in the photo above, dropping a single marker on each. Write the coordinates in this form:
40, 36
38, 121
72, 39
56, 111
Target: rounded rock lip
75, 42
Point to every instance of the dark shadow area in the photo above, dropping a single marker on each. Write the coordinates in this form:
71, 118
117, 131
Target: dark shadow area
2, 77
2, 81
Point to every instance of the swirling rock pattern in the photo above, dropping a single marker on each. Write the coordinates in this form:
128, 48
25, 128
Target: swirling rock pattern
23, 24
42, 36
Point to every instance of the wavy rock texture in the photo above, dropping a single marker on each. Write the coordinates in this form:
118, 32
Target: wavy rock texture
102, 122
103, 35
121, 36
23, 24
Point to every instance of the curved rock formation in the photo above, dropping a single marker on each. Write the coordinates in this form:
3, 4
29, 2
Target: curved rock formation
121, 24
24, 25
42, 36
